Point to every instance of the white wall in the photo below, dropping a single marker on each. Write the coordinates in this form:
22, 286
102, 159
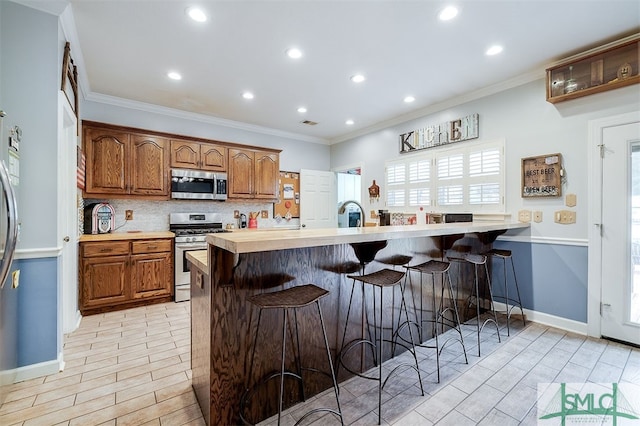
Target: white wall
30, 84
530, 125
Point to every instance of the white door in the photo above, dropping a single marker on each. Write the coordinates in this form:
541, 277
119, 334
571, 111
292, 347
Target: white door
620, 232
318, 199
68, 216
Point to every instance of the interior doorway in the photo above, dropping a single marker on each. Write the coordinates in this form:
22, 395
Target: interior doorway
349, 188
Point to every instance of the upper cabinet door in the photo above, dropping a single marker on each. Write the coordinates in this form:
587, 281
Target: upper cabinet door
198, 155
267, 171
185, 155
213, 157
241, 173
106, 155
149, 165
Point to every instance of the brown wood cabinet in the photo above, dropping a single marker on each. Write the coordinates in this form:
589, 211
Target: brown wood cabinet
253, 174
124, 164
198, 155
119, 274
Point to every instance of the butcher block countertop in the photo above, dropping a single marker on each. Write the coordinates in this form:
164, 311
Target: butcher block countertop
265, 240
199, 259
119, 236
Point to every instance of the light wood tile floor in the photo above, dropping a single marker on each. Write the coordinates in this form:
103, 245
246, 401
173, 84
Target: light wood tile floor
133, 368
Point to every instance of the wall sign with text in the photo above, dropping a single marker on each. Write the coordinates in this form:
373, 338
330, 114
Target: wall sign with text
436, 135
542, 176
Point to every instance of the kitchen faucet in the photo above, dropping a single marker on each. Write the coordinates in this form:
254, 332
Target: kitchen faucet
343, 208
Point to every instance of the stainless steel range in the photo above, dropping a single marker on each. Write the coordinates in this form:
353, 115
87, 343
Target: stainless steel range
191, 231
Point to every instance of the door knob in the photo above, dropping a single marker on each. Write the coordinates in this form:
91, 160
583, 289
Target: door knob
66, 239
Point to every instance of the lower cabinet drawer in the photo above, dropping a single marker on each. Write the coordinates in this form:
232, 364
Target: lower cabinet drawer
107, 248
151, 246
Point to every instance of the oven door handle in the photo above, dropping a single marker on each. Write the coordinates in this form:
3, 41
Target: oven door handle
191, 246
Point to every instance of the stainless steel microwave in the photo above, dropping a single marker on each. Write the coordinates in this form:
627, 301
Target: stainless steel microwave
198, 185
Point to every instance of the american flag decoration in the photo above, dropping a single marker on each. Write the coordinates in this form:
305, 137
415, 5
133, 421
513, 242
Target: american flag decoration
81, 169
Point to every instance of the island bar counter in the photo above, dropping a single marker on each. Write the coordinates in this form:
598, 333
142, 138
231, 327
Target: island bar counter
240, 264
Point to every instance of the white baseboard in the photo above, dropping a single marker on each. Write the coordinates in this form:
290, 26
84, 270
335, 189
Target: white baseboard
548, 319
40, 369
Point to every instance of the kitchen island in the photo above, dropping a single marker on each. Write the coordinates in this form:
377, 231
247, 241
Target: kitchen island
240, 264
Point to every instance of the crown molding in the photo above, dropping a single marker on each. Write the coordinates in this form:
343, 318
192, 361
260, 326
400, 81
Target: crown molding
440, 106
203, 118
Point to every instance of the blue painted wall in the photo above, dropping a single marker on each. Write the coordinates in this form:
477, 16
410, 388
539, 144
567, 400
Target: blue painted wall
9, 325
37, 310
560, 277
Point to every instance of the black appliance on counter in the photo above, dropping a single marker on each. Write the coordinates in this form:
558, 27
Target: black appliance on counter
384, 218
457, 217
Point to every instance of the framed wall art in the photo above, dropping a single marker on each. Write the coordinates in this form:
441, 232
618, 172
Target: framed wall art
542, 176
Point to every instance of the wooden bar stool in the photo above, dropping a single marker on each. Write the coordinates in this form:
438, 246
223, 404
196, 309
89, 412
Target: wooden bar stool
517, 302
438, 311
478, 261
291, 298
385, 278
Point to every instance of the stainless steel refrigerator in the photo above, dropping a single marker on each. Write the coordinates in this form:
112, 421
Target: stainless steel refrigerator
8, 239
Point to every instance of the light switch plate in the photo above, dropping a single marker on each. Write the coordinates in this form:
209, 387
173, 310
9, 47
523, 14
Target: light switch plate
565, 217
524, 216
570, 200
537, 216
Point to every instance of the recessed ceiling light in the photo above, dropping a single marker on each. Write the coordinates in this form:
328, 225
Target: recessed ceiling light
448, 13
294, 53
173, 75
409, 99
247, 95
302, 110
196, 14
494, 50
349, 122
358, 78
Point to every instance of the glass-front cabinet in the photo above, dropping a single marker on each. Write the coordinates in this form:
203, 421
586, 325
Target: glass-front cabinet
604, 68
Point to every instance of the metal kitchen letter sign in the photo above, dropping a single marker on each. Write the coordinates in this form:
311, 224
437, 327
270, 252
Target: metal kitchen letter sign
459, 130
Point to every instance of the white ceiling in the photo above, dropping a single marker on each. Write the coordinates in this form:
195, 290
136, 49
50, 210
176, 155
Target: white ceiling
127, 47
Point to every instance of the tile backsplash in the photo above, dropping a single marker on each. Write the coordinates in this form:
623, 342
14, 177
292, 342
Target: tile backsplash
154, 215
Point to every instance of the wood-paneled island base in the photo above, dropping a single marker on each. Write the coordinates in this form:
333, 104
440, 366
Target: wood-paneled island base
240, 264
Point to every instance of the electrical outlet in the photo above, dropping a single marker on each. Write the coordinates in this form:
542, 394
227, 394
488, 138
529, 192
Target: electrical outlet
524, 216
15, 278
264, 214
537, 216
236, 214
128, 215
565, 217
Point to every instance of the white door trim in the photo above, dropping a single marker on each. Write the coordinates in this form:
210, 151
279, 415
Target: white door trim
68, 313
594, 182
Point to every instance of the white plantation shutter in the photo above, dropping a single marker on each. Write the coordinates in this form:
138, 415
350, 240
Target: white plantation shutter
396, 180
419, 182
450, 167
485, 175
449, 179
467, 178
